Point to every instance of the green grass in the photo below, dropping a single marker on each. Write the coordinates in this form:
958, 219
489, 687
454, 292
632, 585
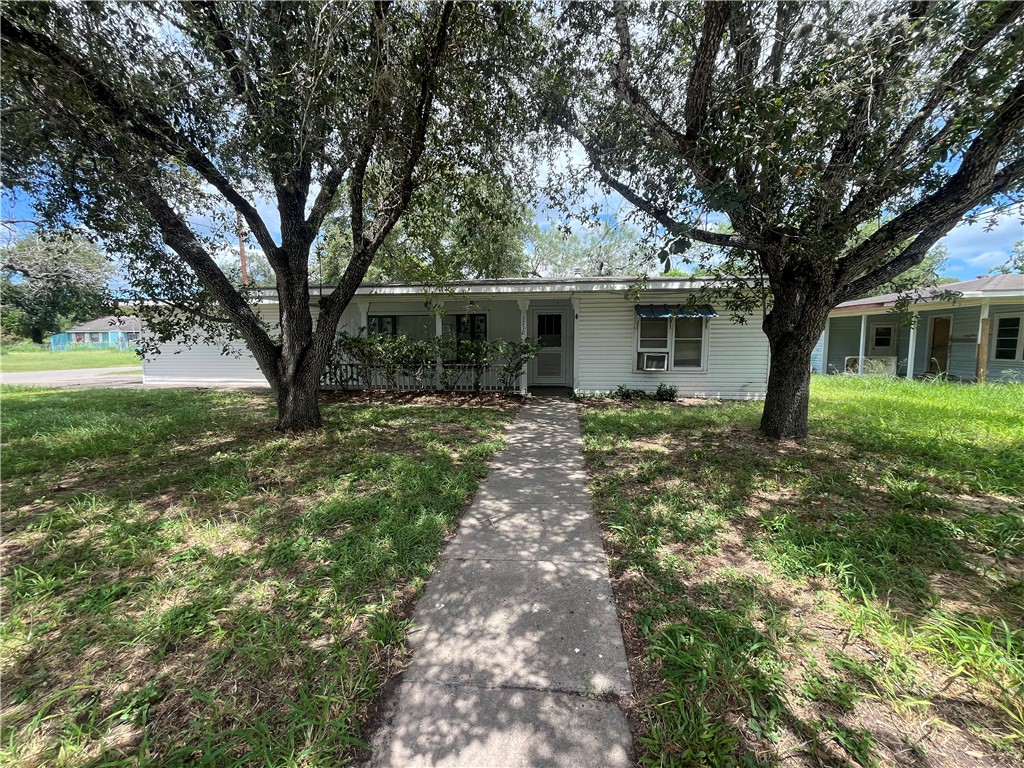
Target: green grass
791, 597
184, 586
23, 359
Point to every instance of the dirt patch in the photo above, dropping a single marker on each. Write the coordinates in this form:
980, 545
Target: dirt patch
424, 399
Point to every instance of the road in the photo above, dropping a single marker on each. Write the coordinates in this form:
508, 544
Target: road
107, 378
116, 378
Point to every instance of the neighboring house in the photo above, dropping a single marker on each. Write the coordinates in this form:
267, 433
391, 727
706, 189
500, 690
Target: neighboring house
597, 333
109, 331
977, 337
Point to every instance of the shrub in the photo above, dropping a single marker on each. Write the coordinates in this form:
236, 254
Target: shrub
666, 392
428, 362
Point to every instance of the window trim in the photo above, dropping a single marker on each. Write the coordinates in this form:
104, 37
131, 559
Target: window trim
994, 331
671, 350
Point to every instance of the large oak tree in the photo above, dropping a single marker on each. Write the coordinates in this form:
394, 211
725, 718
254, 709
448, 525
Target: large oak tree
798, 124
154, 125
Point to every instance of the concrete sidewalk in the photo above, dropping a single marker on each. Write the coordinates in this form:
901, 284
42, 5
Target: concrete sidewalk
516, 638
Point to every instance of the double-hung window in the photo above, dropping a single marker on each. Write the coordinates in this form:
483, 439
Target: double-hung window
1009, 338
671, 343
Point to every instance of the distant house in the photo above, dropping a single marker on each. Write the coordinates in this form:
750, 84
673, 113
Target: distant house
978, 337
109, 331
596, 334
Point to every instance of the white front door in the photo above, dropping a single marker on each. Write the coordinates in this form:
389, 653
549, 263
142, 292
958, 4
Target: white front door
549, 366
882, 341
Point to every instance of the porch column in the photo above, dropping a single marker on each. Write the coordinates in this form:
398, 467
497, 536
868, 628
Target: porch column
439, 363
524, 319
575, 343
824, 347
363, 308
863, 341
984, 329
914, 318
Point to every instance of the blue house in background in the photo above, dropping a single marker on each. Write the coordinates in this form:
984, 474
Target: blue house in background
978, 337
109, 331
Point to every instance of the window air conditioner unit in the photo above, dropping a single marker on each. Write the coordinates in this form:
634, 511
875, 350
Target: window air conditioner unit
655, 361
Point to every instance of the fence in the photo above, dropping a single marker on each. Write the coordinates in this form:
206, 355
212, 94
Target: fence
452, 377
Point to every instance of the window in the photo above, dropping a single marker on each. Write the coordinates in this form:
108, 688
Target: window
1008, 339
679, 339
95, 337
654, 335
471, 327
416, 327
883, 336
689, 343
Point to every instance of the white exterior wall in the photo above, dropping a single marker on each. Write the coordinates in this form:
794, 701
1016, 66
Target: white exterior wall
604, 345
737, 355
207, 363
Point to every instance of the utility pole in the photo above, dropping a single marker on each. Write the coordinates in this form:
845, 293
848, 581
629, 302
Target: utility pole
241, 248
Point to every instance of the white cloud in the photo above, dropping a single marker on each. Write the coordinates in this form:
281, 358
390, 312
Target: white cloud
973, 250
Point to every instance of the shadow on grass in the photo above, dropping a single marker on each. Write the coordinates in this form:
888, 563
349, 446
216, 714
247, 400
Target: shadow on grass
896, 511
188, 587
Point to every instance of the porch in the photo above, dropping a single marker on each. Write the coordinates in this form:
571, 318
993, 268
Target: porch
438, 326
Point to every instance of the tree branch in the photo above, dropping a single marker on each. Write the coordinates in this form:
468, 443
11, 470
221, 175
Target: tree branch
868, 196
148, 125
655, 211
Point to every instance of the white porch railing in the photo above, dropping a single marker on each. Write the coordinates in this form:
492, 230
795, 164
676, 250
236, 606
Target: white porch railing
452, 377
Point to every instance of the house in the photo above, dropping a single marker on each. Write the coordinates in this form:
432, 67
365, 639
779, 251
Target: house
976, 337
109, 331
596, 333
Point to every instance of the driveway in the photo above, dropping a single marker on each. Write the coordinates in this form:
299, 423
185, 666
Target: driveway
107, 378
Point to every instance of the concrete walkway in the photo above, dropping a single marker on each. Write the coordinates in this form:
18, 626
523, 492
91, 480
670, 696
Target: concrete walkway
516, 638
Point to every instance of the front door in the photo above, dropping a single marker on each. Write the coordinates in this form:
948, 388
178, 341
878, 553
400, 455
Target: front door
549, 366
938, 348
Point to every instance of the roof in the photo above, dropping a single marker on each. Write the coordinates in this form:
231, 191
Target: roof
989, 286
128, 323
520, 285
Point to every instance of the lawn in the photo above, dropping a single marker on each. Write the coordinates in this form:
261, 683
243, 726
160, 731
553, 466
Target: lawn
852, 599
21, 359
184, 586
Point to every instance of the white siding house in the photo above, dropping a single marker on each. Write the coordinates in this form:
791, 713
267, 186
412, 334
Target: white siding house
594, 333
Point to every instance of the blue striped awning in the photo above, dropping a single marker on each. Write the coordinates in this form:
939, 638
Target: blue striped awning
675, 310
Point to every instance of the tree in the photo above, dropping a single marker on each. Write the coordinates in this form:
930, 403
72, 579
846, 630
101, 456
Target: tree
927, 274
157, 124
607, 249
50, 283
471, 229
1014, 264
800, 122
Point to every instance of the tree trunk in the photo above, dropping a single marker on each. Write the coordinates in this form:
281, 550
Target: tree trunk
793, 326
789, 382
298, 405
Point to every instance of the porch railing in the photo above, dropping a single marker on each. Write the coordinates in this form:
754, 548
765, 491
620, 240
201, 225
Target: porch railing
451, 377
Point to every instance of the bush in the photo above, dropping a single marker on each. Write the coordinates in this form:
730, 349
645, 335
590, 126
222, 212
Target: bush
430, 362
666, 392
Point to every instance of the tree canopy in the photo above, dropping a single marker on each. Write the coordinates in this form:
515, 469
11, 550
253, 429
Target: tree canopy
799, 123
156, 124
49, 284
